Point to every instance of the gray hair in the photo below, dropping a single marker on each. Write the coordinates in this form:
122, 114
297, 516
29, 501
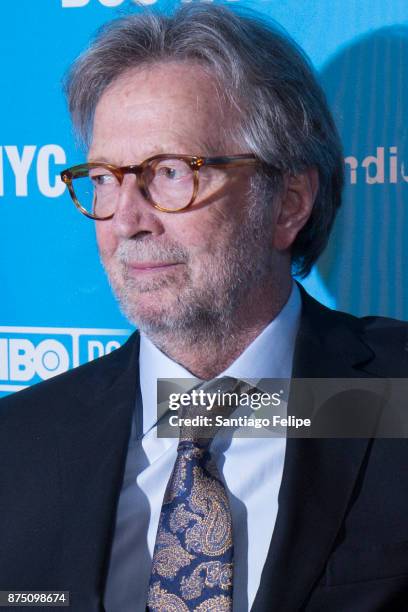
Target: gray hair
284, 118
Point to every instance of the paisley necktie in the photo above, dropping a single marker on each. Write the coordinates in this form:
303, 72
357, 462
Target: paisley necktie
193, 558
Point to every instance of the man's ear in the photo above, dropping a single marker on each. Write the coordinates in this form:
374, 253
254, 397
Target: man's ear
295, 206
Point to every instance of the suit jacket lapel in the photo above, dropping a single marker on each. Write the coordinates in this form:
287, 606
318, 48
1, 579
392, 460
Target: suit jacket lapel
319, 474
93, 443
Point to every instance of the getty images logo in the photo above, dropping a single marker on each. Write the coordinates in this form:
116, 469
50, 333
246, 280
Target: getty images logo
31, 354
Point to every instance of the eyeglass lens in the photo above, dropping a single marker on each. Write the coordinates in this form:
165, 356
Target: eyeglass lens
169, 184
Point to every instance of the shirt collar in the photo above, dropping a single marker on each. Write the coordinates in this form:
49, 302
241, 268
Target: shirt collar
270, 355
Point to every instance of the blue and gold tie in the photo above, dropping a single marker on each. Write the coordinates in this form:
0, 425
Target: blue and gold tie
193, 558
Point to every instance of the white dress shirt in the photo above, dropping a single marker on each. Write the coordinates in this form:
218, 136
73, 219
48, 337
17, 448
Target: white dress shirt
251, 469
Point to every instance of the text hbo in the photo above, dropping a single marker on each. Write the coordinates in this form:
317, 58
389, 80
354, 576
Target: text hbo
21, 359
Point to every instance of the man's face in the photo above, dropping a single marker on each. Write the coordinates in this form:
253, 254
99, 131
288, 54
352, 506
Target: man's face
177, 271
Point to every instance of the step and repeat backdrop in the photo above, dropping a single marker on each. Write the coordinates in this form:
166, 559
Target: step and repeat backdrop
56, 308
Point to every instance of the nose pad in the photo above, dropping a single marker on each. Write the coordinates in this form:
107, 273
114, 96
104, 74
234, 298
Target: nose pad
143, 191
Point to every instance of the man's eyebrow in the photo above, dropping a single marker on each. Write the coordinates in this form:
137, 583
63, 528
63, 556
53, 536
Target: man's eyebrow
97, 158
101, 158
211, 147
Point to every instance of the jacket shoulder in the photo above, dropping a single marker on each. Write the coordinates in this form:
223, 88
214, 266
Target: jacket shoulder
380, 342
374, 326
380, 333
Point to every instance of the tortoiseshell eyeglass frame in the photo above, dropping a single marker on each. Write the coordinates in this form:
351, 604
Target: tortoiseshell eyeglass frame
195, 162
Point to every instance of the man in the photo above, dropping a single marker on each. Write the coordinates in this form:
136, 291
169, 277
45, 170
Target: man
213, 169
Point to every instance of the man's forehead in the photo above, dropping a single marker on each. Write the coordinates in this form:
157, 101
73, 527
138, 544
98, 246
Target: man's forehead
162, 102
164, 83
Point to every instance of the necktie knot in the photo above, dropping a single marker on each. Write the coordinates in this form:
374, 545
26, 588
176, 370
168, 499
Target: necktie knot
218, 396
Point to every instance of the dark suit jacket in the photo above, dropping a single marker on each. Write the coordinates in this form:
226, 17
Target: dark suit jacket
340, 542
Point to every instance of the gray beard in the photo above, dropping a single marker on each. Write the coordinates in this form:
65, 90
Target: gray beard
207, 313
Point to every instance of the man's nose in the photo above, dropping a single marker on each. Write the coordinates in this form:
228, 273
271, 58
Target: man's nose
133, 213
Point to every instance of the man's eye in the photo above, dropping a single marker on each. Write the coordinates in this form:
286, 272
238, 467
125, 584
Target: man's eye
172, 173
167, 172
100, 180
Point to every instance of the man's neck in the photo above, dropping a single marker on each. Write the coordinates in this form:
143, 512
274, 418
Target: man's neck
207, 354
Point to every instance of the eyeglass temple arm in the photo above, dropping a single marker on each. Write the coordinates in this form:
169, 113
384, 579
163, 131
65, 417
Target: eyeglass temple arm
233, 160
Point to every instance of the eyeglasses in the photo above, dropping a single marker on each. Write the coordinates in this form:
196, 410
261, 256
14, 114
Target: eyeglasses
169, 182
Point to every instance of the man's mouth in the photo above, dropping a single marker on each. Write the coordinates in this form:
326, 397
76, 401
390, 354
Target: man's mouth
151, 267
